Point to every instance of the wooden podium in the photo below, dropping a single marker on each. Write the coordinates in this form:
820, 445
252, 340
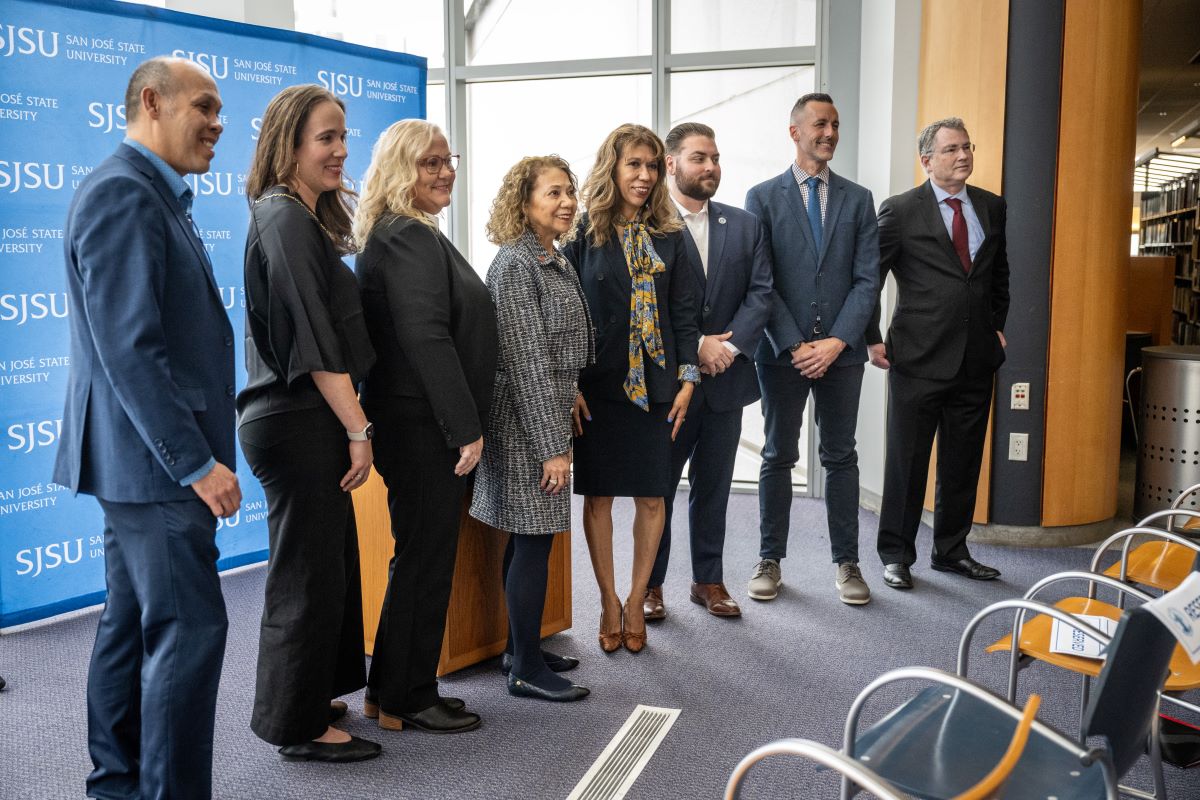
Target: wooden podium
476, 623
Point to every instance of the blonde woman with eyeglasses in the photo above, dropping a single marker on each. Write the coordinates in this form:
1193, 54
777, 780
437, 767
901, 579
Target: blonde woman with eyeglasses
434, 329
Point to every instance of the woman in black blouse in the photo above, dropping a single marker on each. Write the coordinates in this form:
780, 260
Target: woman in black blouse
433, 325
302, 430
633, 268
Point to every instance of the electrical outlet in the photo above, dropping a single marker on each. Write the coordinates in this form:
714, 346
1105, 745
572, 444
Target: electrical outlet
1018, 447
1020, 397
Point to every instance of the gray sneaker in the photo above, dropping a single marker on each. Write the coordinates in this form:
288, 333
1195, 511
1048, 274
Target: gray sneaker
764, 583
852, 589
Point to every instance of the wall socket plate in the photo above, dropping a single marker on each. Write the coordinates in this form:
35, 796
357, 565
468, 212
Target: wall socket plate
1018, 447
1020, 397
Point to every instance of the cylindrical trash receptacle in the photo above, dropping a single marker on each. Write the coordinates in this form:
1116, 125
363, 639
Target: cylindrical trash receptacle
1168, 428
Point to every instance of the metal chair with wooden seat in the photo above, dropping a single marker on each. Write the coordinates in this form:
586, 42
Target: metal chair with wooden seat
1163, 561
866, 778
1034, 636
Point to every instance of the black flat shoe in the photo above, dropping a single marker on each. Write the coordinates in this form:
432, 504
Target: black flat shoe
438, 718
967, 567
556, 663
522, 688
337, 710
371, 707
333, 752
897, 576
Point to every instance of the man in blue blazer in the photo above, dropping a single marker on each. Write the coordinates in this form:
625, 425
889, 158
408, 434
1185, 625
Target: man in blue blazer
148, 430
727, 254
824, 246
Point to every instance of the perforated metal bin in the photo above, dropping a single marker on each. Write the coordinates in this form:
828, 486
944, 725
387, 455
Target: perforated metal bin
1168, 428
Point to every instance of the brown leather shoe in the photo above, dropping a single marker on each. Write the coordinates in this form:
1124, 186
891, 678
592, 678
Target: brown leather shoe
652, 604
716, 599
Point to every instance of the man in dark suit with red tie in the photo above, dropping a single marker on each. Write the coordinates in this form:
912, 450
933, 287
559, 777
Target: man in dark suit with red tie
944, 243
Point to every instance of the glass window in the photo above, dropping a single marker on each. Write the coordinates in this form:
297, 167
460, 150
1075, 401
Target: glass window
748, 109
699, 26
415, 27
520, 31
567, 116
435, 104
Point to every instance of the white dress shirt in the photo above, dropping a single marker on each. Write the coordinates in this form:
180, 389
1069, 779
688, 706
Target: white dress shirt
697, 225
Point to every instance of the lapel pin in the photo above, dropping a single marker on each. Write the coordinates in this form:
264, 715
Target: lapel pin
721, 220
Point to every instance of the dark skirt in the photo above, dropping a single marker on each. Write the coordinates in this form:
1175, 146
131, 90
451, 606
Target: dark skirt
624, 451
310, 646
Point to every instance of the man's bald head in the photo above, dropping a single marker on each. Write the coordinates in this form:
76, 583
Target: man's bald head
161, 74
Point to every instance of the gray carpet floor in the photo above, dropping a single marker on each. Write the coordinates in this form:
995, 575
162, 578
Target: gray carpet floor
791, 667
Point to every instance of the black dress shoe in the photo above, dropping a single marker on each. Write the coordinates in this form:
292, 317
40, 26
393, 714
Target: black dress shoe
556, 663
371, 705
334, 752
337, 710
438, 718
967, 567
522, 688
897, 576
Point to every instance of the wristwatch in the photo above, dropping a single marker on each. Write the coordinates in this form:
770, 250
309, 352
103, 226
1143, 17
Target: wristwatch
365, 435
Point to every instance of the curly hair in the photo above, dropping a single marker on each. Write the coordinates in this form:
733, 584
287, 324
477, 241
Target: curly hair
274, 161
388, 184
508, 221
603, 198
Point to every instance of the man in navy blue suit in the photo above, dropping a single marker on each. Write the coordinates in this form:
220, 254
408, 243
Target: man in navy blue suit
148, 430
728, 256
824, 246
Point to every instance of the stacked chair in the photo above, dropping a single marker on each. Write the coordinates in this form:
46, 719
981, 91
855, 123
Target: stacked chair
948, 735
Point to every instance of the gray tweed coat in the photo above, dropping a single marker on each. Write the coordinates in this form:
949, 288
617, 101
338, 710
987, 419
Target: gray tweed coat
545, 340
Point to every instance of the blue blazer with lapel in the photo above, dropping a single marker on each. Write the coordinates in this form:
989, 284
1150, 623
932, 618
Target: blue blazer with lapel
840, 283
604, 278
736, 298
150, 398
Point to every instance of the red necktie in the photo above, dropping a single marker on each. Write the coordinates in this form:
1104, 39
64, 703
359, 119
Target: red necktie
959, 236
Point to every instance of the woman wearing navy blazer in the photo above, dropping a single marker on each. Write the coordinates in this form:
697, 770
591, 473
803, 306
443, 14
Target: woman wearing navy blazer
633, 269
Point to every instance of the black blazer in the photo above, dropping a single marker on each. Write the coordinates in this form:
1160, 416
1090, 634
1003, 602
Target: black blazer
604, 276
945, 318
735, 296
433, 325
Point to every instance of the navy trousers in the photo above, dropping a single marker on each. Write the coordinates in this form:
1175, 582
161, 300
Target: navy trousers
784, 394
707, 443
156, 664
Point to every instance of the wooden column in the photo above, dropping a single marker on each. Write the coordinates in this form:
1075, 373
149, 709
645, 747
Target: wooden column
1090, 265
964, 54
476, 623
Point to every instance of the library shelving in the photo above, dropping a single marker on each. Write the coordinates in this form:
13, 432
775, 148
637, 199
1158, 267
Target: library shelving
1169, 228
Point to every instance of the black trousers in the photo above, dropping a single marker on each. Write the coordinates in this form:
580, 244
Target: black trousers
310, 646
957, 411
425, 501
708, 440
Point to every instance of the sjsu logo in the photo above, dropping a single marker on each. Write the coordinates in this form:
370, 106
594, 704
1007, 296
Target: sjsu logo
107, 116
34, 560
218, 183
256, 126
28, 175
24, 437
340, 82
217, 66
27, 42
26, 306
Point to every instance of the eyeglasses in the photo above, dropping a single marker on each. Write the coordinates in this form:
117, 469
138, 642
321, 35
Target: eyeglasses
433, 165
953, 149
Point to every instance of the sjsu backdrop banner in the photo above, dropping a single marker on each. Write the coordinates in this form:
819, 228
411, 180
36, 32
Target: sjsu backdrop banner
63, 70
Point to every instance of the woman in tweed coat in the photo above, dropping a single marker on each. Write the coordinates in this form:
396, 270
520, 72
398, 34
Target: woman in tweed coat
522, 484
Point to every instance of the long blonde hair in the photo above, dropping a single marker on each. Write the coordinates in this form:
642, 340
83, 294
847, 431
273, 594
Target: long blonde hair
274, 161
508, 220
603, 198
387, 188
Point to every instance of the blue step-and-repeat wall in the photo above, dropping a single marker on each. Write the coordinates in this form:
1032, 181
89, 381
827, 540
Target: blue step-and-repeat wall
63, 71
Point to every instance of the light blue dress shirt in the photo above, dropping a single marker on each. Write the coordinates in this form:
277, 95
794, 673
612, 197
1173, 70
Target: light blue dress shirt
974, 228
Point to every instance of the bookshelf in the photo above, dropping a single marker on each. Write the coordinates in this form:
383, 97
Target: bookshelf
1169, 228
